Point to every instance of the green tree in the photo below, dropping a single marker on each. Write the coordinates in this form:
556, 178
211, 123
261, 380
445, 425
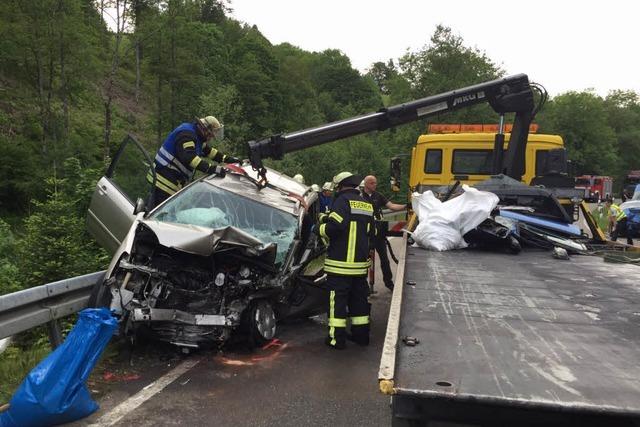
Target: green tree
623, 115
55, 244
447, 64
581, 119
9, 273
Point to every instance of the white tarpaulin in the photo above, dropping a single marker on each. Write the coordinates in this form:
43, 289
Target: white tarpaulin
442, 225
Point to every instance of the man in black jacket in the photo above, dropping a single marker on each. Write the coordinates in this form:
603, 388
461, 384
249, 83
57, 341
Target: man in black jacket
349, 229
380, 241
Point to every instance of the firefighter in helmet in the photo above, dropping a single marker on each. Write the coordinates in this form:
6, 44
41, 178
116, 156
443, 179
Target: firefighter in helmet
182, 153
349, 229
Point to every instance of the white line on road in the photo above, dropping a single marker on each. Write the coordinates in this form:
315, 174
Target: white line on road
117, 413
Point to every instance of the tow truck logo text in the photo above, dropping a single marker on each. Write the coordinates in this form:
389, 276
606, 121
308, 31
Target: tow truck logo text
466, 98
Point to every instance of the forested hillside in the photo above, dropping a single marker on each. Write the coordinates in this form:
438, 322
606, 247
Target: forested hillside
72, 87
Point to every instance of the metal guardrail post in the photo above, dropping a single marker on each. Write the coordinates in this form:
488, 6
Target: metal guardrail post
55, 336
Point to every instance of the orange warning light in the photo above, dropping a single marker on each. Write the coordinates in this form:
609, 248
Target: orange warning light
473, 128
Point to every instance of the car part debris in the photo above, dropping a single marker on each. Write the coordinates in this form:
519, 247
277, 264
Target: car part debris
560, 253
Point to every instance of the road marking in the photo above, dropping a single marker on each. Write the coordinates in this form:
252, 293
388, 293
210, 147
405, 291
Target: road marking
120, 411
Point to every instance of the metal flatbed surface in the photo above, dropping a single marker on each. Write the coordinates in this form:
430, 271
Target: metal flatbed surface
521, 330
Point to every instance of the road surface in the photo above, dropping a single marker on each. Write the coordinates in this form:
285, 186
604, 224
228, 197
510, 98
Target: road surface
296, 381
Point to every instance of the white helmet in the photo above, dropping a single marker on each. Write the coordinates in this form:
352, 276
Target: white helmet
327, 186
211, 127
315, 187
298, 178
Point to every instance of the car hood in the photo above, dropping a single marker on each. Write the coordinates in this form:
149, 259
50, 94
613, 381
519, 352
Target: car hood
631, 204
204, 241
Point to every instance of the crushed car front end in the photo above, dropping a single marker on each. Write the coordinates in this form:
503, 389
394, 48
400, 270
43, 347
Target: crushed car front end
221, 256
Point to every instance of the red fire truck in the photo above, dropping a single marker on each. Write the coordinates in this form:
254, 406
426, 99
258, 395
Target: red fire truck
596, 187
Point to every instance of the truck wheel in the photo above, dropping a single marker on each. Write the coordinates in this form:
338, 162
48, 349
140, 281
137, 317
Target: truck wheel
100, 295
261, 323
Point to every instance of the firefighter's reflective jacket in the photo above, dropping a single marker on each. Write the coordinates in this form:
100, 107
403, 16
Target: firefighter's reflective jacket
349, 228
617, 212
179, 156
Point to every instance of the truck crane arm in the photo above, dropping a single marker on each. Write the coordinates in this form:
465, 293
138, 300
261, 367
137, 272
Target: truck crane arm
507, 95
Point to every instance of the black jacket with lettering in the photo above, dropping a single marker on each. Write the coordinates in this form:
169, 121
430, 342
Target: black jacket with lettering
349, 228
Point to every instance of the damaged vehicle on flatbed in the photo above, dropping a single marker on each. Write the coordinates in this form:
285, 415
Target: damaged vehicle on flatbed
221, 256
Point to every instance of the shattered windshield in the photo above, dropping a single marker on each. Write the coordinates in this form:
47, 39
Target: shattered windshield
208, 206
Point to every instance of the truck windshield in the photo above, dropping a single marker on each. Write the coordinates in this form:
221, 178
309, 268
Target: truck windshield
582, 181
208, 206
472, 162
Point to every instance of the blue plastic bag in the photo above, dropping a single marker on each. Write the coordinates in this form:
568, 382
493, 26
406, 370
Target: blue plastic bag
54, 392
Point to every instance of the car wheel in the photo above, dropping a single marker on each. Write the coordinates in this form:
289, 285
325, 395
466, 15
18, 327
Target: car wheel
100, 295
261, 322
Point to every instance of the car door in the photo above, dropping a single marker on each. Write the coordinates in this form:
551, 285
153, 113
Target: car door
111, 211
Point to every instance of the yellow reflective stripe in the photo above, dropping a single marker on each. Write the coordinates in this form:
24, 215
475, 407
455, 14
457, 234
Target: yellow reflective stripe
346, 271
360, 205
351, 248
368, 227
336, 263
336, 217
332, 305
323, 231
165, 181
160, 185
359, 320
212, 153
338, 323
189, 144
619, 213
322, 217
195, 162
162, 182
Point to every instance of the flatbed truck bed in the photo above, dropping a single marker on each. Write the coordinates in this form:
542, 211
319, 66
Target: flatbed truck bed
512, 340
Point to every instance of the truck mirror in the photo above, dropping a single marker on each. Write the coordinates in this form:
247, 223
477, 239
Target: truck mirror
394, 174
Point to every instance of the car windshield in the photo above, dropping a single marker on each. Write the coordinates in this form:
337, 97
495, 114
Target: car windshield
209, 206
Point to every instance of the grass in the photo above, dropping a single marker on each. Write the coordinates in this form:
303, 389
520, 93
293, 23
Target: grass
15, 364
600, 215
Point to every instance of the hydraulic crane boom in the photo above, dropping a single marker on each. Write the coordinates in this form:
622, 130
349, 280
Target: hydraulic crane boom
508, 95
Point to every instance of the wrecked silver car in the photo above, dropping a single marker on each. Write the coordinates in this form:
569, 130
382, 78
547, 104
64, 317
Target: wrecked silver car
219, 257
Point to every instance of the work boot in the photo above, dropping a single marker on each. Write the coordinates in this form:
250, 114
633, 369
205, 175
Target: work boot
360, 340
339, 345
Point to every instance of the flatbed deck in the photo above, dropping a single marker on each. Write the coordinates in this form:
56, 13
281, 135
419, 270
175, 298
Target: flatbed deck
517, 338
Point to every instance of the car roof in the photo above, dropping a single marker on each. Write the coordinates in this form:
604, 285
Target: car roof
276, 194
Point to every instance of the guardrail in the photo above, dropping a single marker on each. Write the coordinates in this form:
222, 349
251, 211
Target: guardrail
26, 309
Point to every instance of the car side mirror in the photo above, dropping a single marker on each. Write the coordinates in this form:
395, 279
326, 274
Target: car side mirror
140, 206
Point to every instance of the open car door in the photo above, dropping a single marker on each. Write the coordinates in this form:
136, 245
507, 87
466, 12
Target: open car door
111, 211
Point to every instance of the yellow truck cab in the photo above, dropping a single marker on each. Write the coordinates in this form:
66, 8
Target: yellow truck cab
449, 153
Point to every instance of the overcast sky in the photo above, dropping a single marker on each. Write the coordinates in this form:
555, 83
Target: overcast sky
562, 44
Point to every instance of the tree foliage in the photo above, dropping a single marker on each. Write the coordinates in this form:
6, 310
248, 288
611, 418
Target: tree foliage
67, 77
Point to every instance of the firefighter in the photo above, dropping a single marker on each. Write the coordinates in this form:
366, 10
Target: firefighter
326, 197
348, 228
184, 151
618, 219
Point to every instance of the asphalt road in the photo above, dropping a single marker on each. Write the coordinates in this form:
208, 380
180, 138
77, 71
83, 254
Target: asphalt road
296, 381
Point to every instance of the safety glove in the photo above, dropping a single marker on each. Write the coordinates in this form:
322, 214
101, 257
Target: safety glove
218, 170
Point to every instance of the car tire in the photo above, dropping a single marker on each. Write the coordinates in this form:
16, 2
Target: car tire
100, 295
260, 321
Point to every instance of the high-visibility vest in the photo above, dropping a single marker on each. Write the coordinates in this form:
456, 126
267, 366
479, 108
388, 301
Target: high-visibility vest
617, 212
